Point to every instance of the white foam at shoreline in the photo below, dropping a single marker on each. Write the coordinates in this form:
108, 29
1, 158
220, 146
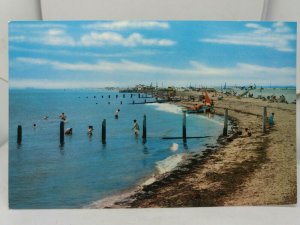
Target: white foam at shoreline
169, 163
149, 181
171, 108
162, 167
165, 166
110, 201
166, 107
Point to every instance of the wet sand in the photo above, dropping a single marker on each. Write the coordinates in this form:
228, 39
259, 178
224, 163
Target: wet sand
240, 170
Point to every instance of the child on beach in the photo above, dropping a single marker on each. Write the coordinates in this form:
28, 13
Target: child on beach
271, 119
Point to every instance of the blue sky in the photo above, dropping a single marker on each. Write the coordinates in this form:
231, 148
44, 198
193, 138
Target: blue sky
89, 54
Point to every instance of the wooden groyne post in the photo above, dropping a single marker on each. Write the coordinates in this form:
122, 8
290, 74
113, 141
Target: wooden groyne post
225, 122
144, 127
184, 126
104, 131
19, 137
264, 118
61, 133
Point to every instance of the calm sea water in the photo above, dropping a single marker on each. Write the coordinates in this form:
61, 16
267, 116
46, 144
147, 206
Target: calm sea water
44, 175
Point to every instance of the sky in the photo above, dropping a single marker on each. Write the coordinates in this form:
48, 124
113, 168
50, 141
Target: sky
95, 54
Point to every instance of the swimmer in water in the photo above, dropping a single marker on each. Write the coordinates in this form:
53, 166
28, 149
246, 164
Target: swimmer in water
136, 127
69, 131
62, 116
117, 113
90, 131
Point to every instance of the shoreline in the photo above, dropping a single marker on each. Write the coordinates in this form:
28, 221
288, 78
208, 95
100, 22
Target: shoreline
245, 170
124, 195
125, 198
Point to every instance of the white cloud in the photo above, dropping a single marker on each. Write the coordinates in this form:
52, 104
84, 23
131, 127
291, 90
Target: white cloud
36, 61
258, 29
195, 69
54, 37
17, 25
52, 84
124, 54
278, 37
122, 25
112, 38
128, 66
57, 37
17, 38
280, 27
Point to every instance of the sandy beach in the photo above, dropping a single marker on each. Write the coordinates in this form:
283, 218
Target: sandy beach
240, 170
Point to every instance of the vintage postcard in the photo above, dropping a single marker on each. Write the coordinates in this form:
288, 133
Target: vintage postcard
142, 114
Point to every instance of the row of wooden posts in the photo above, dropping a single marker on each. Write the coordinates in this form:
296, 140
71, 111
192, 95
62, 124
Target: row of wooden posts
131, 95
144, 134
133, 102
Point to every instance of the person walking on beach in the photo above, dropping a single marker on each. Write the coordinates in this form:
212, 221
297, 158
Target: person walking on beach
271, 119
136, 127
117, 113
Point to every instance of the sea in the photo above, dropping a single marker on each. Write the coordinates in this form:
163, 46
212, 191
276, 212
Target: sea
44, 174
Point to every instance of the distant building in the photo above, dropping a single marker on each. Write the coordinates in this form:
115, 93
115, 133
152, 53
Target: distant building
140, 87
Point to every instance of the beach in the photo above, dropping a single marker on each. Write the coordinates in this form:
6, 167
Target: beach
121, 114
240, 170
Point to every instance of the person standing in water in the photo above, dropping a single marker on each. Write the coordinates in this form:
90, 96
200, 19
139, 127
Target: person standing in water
62, 116
136, 127
90, 130
117, 113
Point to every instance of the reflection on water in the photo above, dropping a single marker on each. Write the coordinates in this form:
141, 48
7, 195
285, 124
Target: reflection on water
185, 146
